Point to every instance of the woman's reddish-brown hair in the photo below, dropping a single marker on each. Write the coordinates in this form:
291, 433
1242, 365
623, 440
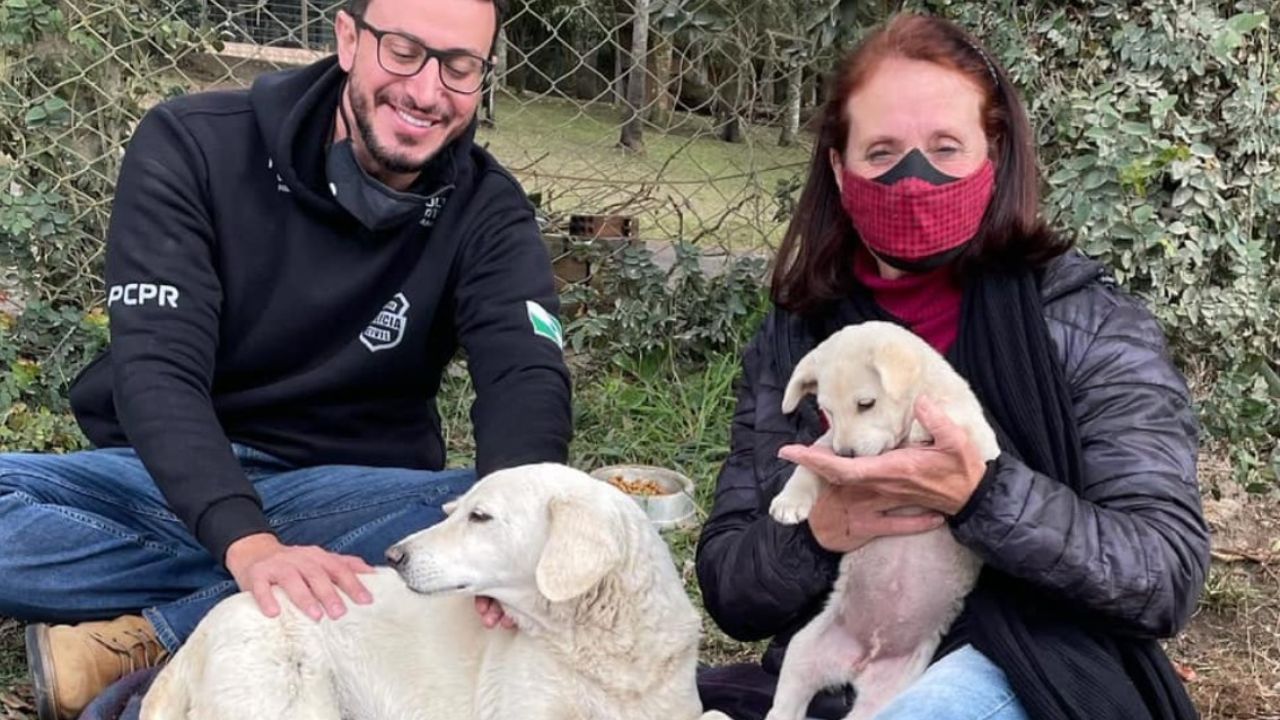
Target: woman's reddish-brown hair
814, 264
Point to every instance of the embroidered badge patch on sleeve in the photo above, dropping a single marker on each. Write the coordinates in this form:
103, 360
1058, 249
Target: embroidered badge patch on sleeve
545, 324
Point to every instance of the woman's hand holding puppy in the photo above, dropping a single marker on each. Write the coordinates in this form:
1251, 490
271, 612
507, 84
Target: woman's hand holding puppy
939, 477
846, 517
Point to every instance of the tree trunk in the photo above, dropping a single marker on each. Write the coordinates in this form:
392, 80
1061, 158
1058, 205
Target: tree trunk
768, 90
621, 60
500, 59
305, 21
791, 120
619, 80
663, 101
633, 130
496, 79
695, 88
515, 63
586, 81
731, 130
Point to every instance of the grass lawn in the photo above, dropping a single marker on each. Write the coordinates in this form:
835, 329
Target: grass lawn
686, 184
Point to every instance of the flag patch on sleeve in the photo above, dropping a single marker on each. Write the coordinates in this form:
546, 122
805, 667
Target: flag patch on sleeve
545, 324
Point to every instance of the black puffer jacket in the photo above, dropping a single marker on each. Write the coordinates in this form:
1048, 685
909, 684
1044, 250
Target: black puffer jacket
1133, 548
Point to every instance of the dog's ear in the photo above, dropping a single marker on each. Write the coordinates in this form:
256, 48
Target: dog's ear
804, 381
900, 368
583, 546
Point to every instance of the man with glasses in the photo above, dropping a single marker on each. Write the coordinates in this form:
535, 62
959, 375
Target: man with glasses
289, 270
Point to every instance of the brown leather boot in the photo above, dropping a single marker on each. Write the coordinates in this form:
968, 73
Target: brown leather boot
71, 664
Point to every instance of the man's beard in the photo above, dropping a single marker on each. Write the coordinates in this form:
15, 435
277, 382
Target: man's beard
387, 160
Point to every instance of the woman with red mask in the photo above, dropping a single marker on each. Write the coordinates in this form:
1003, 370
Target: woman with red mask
922, 208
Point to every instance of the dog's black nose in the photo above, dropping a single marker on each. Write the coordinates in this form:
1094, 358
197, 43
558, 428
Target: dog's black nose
396, 556
846, 452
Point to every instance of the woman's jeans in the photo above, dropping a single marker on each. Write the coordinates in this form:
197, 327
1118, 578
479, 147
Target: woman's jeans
964, 685
88, 536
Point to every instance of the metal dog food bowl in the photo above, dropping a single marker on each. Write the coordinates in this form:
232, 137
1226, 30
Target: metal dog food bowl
665, 495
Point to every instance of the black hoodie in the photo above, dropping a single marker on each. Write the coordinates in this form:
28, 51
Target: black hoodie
248, 307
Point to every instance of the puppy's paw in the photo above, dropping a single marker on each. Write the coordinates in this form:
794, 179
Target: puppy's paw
790, 508
917, 435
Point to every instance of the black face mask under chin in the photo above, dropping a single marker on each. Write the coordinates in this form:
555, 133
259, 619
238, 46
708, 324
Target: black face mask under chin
373, 204
922, 265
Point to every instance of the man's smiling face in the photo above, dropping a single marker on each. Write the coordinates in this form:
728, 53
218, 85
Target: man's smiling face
402, 122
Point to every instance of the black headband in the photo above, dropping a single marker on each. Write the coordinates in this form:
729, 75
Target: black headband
991, 68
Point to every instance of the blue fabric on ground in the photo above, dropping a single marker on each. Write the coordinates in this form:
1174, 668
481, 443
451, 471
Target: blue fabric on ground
121, 700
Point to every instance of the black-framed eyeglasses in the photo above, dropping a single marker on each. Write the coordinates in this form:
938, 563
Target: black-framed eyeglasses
405, 56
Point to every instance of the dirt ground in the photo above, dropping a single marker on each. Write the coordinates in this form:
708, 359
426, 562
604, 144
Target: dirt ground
1230, 654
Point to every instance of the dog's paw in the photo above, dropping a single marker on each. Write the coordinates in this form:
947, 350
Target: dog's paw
918, 435
790, 510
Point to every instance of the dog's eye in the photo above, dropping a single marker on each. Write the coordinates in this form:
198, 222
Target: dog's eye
479, 516
867, 404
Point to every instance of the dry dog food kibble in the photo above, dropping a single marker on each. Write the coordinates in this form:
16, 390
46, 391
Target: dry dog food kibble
643, 487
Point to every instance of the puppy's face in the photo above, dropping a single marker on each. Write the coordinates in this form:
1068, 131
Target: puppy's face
866, 378
546, 527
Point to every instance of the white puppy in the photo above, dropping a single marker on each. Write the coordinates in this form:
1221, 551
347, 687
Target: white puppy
895, 597
605, 628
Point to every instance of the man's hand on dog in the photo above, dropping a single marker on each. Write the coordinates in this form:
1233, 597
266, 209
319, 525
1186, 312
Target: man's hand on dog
939, 477
309, 575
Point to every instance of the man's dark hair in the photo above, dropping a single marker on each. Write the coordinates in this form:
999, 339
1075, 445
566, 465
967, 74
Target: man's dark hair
357, 7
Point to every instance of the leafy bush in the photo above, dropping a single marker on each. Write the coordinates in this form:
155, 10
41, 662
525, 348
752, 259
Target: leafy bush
36, 351
74, 80
1159, 128
634, 307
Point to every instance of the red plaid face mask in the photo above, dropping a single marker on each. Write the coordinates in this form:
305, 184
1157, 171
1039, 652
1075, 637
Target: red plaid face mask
914, 217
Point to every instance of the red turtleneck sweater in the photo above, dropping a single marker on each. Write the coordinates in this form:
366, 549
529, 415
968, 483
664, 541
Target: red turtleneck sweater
929, 303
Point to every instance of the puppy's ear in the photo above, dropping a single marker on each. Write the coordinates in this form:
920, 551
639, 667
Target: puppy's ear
583, 546
449, 507
804, 381
900, 368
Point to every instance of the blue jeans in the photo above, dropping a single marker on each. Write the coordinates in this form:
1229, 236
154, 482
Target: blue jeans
964, 685
88, 536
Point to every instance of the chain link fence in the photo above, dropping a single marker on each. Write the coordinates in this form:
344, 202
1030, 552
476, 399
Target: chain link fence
629, 122
280, 23
672, 129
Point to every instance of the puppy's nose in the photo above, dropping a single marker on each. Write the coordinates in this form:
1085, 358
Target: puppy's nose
846, 452
396, 556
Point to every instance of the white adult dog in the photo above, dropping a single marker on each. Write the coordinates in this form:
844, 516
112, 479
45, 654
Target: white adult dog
605, 629
895, 597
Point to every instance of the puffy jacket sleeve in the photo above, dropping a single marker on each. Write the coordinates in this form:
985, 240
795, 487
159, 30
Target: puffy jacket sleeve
758, 576
1133, 545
